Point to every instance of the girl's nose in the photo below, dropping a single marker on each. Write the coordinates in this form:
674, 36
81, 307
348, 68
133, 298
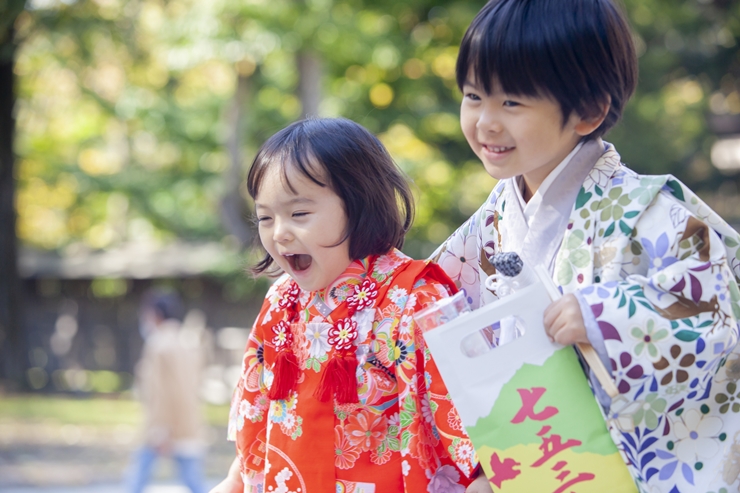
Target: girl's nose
281, 233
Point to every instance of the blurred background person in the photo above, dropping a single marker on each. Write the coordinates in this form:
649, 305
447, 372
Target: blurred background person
168, 382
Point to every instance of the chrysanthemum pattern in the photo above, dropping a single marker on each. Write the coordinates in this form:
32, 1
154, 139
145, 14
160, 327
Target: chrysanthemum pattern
403, 409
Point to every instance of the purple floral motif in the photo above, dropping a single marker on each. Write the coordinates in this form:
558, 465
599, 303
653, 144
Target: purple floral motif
445, 480
608, 331
657, 252
624, 372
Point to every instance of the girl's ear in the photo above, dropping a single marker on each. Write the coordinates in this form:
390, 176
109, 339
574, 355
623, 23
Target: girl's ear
587, 125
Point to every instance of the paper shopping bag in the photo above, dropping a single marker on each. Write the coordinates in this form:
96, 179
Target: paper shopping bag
527, 405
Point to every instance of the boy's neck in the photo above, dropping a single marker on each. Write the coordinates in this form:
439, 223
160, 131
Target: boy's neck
534, 181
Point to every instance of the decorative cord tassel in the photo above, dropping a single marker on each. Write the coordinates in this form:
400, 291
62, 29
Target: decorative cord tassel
339, 380
346, 392
328, 382
286, 372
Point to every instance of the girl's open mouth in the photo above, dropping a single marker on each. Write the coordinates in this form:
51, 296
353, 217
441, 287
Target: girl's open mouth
299, 261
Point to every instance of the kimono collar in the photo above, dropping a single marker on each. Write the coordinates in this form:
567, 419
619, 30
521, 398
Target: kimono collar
529, 208
338, 378
539, 241
329, 298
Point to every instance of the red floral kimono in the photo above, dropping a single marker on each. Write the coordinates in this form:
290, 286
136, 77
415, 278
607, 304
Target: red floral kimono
404, 435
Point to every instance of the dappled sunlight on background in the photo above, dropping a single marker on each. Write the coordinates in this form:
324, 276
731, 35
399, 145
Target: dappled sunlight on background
136, 122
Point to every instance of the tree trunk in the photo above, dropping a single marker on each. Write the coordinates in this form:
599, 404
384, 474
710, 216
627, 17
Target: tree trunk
13, 350
309, 84
233, 210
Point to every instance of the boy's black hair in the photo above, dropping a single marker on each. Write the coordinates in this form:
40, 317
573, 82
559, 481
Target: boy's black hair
344, 156
578, 52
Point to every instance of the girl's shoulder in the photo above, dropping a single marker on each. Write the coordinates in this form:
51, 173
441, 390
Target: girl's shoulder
279, 285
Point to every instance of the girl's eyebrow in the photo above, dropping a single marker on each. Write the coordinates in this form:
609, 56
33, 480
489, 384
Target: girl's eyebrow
299, 200
293, 201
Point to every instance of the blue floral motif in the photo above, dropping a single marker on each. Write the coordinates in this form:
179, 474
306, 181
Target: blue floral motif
657, 252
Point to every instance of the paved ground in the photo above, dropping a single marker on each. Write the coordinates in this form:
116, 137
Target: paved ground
100, 488
46, 458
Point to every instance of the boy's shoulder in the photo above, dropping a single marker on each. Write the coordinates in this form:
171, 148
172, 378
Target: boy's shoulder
612, 185
611, 180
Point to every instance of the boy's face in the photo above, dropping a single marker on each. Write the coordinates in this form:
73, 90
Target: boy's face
517, 135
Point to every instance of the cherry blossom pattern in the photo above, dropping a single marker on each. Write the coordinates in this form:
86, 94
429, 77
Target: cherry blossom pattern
460, 261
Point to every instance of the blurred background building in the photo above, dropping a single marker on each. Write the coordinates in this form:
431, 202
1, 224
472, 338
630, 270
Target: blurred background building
126, 128
82, 317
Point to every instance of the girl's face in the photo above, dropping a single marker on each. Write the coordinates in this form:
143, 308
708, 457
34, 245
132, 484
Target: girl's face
298, 229
519, 135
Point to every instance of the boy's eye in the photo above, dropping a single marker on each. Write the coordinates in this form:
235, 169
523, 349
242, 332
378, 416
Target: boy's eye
510, 104
472, 96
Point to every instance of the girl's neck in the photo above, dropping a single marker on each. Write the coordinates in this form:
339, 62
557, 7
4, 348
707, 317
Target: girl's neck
342, 287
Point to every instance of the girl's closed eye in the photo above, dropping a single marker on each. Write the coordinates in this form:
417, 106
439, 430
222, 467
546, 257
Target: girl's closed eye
261, 219
300, 214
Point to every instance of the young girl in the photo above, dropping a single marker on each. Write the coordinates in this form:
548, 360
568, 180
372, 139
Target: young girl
649, 273
338, 392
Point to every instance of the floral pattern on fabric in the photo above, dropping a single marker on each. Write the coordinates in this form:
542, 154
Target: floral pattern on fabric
659, 270
399, 437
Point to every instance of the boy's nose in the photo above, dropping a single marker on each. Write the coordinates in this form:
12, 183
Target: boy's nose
488, 122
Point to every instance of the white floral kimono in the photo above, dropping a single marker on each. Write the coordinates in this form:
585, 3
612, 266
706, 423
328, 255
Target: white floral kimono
656, 273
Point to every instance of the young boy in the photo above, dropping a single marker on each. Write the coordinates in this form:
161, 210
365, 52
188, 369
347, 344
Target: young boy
649, 272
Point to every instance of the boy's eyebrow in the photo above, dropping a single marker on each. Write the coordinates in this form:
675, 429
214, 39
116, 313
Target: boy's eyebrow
470, 83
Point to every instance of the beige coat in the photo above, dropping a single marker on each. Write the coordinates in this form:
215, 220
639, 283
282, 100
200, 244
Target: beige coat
168, 378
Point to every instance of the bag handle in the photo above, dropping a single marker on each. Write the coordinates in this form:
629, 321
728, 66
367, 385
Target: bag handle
587, 350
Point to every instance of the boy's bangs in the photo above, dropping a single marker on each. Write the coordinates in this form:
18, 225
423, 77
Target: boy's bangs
504, 46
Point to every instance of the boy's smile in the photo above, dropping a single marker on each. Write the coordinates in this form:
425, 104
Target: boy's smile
300, 229
519, 135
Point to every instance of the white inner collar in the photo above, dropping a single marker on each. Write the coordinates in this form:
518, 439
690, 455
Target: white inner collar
530, 208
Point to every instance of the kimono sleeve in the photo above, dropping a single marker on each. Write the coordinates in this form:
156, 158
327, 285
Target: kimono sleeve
669, 322
459, 256
249, 402
431, 429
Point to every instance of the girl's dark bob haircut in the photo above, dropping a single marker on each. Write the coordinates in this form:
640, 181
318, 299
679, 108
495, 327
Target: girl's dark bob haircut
578, 52
345, 157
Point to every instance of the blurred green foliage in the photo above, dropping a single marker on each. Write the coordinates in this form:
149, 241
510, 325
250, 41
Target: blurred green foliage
125, 108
